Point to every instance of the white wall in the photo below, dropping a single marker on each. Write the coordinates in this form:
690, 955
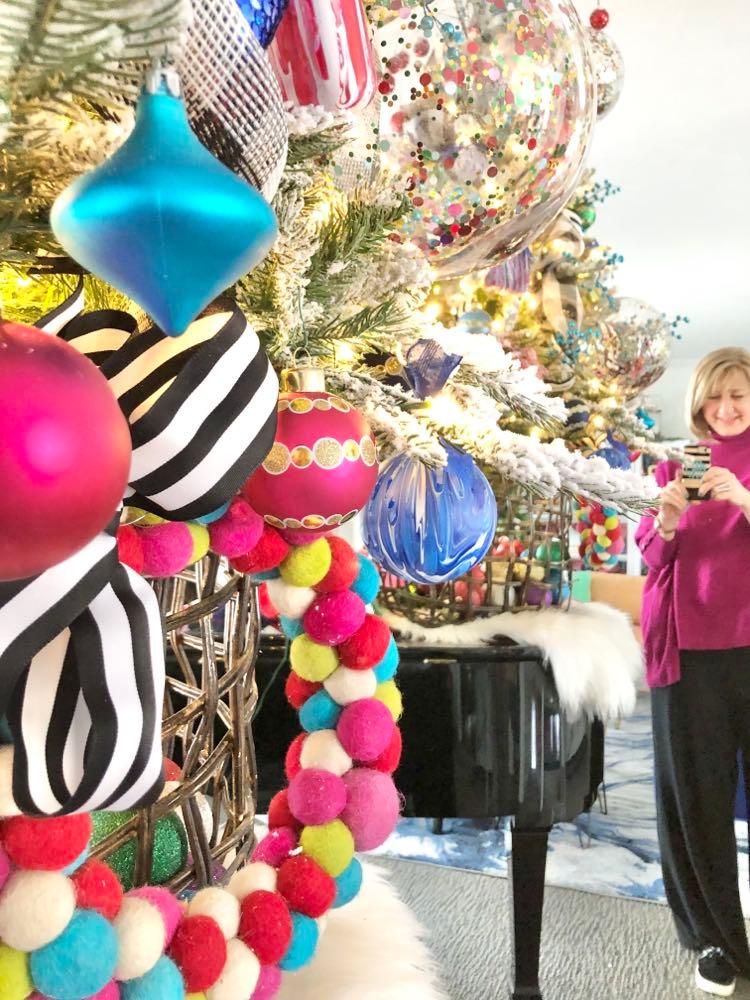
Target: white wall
668, 395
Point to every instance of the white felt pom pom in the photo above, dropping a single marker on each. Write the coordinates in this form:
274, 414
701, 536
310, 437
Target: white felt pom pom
252, 877
8, 805
345, 685
239, 976
219, 904
140, 938
322, 749
35, 908
289, 601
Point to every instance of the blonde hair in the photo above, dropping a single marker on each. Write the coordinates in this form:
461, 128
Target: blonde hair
706, 379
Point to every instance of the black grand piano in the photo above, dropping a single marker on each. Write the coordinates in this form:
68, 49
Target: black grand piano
484, 736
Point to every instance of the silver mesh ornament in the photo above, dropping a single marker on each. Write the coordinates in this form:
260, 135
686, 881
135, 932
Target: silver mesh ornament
232, 95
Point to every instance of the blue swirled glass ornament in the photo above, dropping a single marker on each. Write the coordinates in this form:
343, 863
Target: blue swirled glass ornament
264, 17
162, 219
430, 525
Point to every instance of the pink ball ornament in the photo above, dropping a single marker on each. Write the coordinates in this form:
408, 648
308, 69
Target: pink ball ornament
316, 796
372, 807
333, 618
64, 451
237, 532
365, 729
321, 469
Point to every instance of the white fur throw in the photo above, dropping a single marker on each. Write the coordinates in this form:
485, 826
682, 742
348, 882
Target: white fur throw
595, 658
372, 949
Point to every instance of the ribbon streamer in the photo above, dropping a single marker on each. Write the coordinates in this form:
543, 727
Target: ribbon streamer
81, 646
561, 300
428, 367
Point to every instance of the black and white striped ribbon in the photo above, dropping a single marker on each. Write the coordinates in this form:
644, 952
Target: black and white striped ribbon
81, 646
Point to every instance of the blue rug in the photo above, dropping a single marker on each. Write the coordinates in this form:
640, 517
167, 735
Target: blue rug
610, 853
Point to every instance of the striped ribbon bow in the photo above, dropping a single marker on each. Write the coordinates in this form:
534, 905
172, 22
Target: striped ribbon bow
561, 300
81, 646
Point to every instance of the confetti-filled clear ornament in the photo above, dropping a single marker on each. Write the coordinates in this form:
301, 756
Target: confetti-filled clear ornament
487, 113
609, 69
263, 16
633, 350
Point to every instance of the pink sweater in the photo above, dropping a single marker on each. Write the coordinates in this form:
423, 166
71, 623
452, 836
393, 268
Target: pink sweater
696, 594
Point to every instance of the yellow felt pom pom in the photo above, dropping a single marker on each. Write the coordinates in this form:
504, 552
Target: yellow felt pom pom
306, 565
15, 981
611, 523
604, 541
201, 541
389, 694
195, 996
331, 845
310, 660
144, 517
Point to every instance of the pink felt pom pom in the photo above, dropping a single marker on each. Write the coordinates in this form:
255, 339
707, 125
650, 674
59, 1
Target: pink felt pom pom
316, 796
238, 531
167, 548
365, 729
276, 846
372, 807
269, 983
166, 904
333, 618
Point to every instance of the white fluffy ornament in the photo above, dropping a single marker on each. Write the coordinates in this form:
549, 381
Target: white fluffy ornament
290, 601
239, 976
140, 938
252, 877
346, 686
322, 749
35, 908
219, 904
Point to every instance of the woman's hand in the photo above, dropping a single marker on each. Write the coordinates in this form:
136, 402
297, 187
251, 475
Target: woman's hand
673, 504
721, 484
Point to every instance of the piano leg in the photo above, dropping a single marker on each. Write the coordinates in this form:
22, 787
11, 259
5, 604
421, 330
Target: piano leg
528, 863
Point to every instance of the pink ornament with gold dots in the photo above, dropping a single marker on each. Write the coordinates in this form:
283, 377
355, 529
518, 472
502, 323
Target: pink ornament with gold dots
321, 469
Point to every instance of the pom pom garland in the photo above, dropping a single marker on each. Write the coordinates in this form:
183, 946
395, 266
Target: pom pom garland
35, 908
319, 712
233, 942
305, 886
316, 797
199, 950
365, 729
237, 531
367, 646
48, 844
307, 565
333, 618
265, 926
344, 569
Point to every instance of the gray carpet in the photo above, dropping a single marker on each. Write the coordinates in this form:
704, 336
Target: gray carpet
593, 947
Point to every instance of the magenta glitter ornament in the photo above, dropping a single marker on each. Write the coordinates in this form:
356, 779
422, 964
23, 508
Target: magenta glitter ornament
64, 451
321, 469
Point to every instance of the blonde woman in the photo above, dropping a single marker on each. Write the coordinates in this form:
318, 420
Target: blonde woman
696, 618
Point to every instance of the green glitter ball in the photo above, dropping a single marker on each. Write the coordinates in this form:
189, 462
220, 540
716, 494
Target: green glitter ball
587, 215
170, 847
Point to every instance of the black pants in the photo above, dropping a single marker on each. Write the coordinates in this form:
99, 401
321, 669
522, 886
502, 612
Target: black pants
699, 726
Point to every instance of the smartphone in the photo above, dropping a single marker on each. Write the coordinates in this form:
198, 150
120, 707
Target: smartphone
697, 463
